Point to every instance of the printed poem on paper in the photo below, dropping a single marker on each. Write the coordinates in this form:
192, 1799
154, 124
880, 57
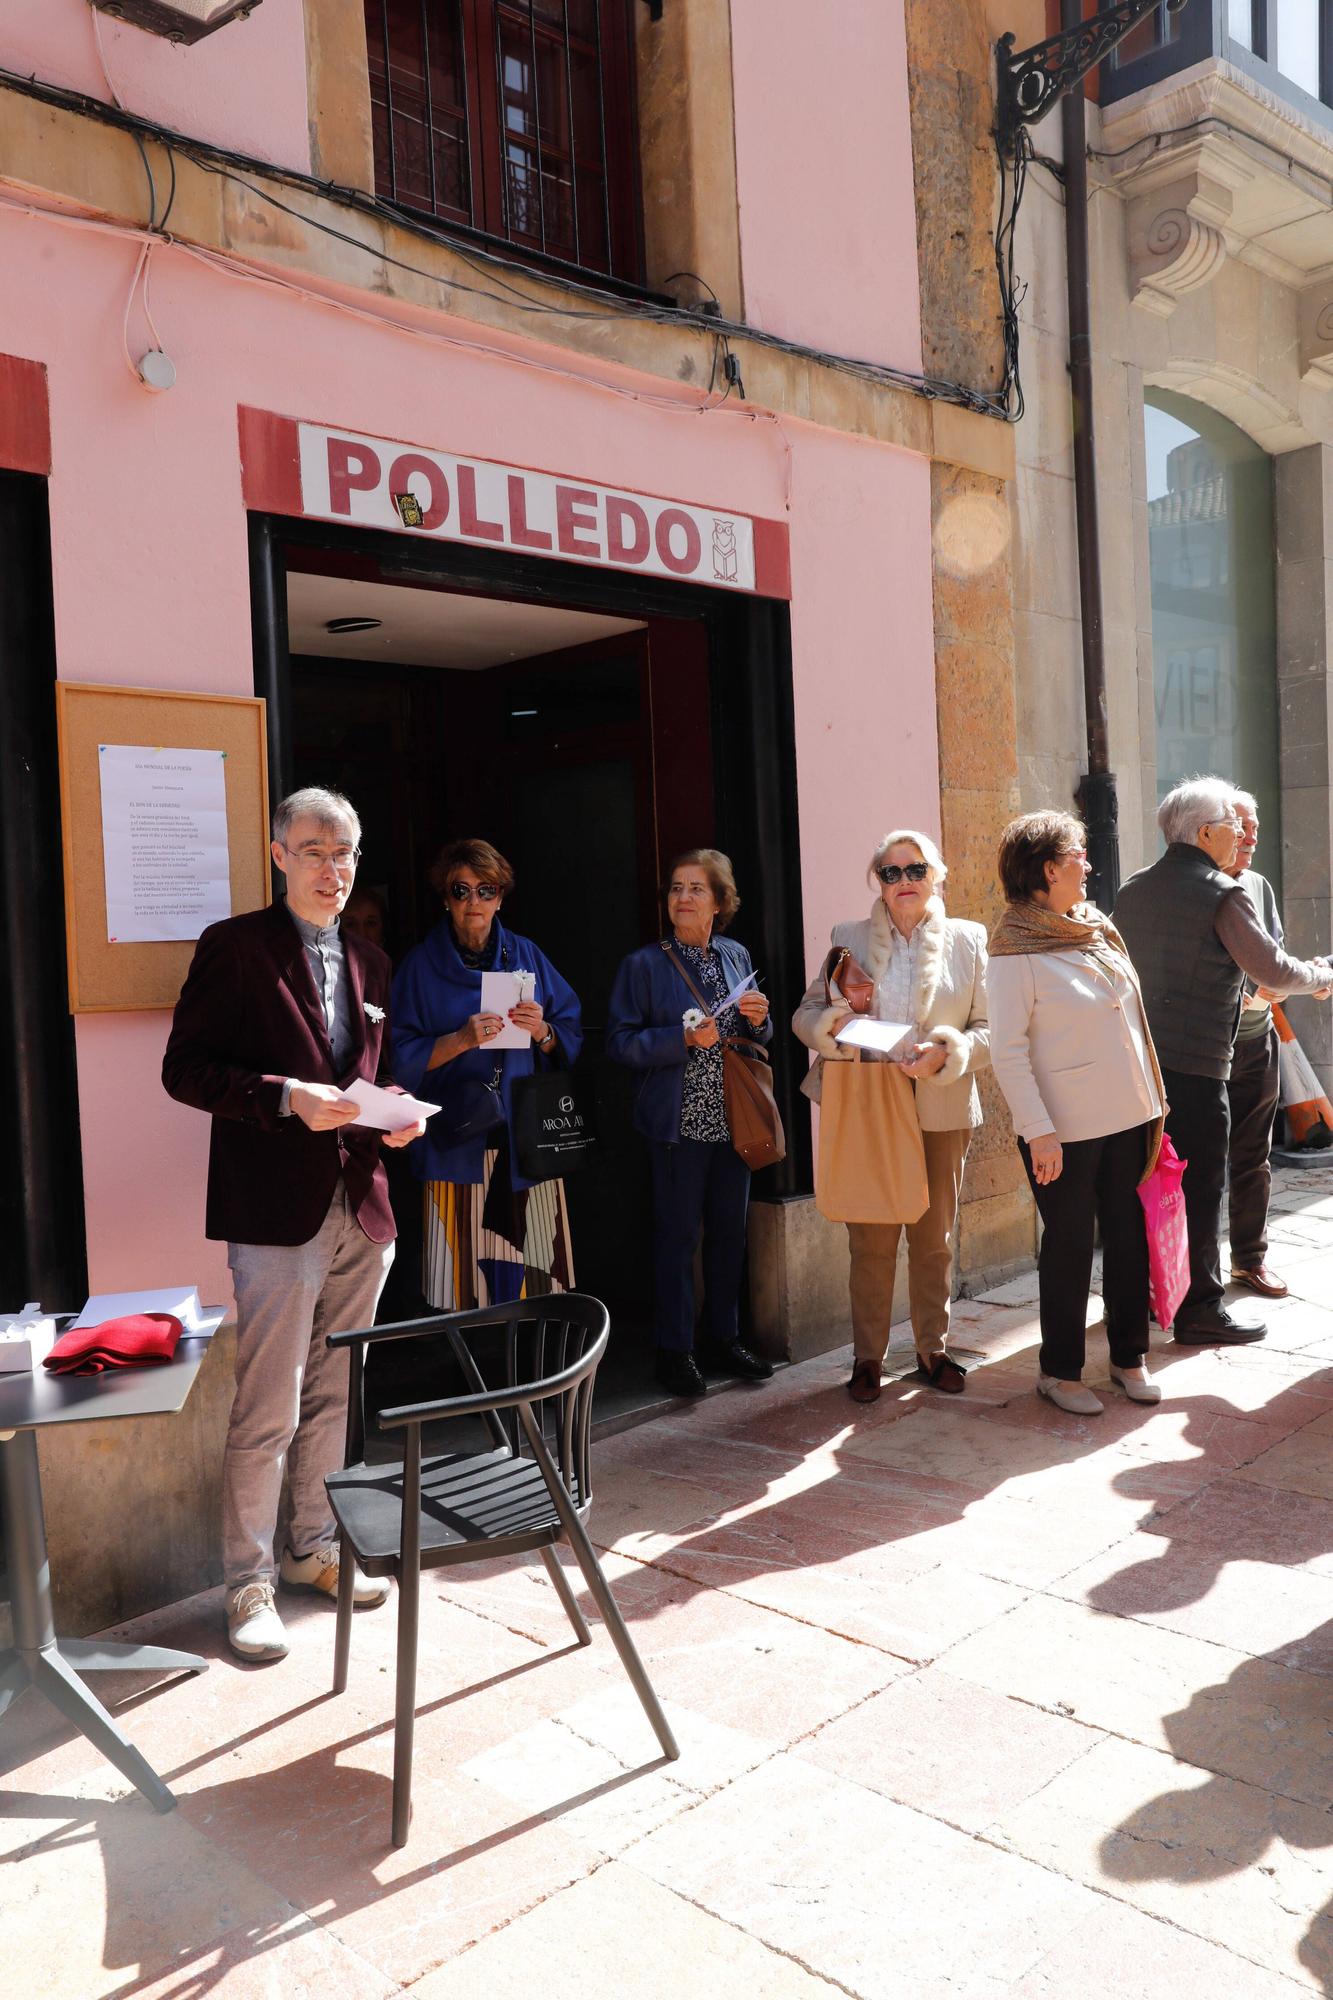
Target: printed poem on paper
164, 842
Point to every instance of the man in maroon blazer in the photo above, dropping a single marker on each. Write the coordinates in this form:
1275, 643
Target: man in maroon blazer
280, 1010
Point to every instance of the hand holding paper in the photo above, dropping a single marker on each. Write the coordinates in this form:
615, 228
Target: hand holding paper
387, 1110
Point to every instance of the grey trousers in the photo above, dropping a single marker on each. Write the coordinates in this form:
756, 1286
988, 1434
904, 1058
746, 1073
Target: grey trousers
290, 1408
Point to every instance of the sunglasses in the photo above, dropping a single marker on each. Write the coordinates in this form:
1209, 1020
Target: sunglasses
915, 871
485, 892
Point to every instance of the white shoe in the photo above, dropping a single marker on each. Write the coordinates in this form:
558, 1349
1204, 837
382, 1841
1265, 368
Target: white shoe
320, 1572
1079, 1402
254, 1629
1137, 1384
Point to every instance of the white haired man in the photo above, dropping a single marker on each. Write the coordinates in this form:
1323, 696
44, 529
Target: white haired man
1195, 939
279, 1012
1253, 1086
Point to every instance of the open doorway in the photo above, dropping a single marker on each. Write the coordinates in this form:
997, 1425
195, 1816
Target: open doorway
591, 726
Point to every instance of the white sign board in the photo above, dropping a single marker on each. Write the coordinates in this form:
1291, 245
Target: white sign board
375, 483
164, 842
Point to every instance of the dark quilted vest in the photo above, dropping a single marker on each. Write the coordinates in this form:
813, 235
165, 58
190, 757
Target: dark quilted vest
1191, 983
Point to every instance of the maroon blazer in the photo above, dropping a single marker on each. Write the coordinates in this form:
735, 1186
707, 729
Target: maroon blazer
248, 1018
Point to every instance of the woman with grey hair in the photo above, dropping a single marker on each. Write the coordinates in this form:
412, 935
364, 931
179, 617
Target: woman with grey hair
929, 970
1194, 937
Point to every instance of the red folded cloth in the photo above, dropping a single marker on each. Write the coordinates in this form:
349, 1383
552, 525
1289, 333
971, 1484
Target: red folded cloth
137, 1341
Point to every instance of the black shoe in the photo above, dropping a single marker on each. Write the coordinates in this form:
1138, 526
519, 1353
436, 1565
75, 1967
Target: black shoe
736, 1359
1214, 1327
680, 1373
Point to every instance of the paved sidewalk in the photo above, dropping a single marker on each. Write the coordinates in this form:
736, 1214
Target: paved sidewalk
975, 1700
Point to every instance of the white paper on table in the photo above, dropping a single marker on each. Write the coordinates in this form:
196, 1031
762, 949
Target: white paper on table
733, 996
386, 1110
499, 992
198, 1322
861, 1032
164, 841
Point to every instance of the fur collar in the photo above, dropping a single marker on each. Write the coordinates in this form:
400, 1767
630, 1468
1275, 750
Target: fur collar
930, 955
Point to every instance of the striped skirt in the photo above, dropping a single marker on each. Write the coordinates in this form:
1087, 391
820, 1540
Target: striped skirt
485, 1244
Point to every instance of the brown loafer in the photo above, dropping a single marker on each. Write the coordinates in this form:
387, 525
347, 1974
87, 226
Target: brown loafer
1262, 1280
864, 1385
943, 1373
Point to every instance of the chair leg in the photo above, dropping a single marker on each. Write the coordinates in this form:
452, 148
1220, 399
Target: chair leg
342, 1638
405, 1712
620, 1638
555, 1570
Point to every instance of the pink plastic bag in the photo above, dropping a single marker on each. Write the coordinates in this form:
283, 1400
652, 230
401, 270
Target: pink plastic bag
1168, 1239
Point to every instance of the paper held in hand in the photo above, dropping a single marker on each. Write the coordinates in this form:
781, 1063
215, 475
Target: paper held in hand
499, 992
863, 1033
386, 1110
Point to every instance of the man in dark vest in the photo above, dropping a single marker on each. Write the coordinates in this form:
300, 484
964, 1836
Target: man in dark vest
1195, 939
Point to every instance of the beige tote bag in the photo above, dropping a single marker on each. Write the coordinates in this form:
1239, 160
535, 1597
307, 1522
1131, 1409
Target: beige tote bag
872, 1164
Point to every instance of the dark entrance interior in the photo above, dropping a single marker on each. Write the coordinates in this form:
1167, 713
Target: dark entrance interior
589, 724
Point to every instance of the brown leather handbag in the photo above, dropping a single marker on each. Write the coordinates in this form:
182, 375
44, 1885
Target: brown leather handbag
753, 1118
848, 980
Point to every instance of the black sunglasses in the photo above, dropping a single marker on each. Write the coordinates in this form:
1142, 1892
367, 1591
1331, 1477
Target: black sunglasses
915, 871
463, 892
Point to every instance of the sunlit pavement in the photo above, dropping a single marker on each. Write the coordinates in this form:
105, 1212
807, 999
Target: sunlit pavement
974, 1699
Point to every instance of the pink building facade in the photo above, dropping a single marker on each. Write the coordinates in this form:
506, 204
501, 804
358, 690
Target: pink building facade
774, 693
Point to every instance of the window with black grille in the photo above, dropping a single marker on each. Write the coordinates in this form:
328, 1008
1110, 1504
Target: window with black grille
511, 117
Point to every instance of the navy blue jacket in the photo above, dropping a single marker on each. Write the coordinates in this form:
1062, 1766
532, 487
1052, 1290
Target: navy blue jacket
433, 994
645, 1030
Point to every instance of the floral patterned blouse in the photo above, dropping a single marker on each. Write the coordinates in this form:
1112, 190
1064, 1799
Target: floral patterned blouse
703, 1105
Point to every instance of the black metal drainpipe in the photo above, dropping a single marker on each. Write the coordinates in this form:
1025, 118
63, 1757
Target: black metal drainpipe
1097, 791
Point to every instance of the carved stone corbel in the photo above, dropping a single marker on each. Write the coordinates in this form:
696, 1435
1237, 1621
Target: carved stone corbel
1176, 241
1316, 329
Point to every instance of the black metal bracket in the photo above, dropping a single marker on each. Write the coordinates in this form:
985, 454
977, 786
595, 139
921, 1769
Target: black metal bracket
1034, 79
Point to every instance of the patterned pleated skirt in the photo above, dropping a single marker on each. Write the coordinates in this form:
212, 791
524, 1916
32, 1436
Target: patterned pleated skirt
485, 1243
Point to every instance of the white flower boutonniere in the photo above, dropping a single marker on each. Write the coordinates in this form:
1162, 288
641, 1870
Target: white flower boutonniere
693, 1017
376, 1013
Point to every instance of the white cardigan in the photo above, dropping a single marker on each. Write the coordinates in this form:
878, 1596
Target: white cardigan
1070, 1046
948, 1006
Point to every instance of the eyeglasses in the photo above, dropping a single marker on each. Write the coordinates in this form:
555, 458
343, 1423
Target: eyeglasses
485, 892
344, 859
915, 871
1234, 824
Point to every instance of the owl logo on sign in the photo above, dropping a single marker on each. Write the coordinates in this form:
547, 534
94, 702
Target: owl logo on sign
724, 549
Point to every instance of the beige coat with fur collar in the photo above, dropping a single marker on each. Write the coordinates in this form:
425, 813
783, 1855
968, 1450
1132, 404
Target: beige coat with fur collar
949, 1007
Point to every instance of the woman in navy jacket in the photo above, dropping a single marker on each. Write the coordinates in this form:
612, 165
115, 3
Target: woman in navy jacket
490, 1235
657, 1025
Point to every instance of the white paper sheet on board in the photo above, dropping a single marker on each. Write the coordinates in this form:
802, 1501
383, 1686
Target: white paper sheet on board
164, 841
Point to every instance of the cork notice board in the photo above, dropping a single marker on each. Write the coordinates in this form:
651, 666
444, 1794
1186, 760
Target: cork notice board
105, 977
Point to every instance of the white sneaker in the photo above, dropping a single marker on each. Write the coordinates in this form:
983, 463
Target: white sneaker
1079, 1402
1137, 1384
254, 1628
320, 1572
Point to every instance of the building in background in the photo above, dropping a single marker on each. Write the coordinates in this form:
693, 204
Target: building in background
499, 390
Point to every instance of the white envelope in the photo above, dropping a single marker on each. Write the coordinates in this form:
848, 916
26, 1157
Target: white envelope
863, 1033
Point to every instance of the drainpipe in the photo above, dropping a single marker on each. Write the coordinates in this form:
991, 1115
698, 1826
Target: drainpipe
1096, 797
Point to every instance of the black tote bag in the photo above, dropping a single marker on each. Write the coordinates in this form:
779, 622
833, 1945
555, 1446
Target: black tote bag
555, 1127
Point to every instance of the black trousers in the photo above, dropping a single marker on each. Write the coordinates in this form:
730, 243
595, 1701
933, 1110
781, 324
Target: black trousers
1199, 1122
1098, 1184
698, 1185
1252, 1093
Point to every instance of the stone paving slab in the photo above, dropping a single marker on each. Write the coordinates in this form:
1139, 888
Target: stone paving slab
977, 1701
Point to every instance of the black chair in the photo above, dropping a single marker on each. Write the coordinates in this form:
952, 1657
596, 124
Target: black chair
532, 1489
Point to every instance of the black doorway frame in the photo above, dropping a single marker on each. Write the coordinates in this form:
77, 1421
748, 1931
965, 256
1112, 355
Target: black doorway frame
42, 1239
753, 734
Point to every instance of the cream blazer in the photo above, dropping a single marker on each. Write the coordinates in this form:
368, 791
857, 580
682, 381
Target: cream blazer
1070, 1046
948, 1005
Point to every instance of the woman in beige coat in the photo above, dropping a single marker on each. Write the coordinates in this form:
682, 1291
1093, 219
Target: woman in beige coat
927, 969
1076, 1063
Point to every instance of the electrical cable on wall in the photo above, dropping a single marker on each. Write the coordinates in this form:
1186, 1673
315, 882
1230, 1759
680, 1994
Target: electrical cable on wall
1005, 404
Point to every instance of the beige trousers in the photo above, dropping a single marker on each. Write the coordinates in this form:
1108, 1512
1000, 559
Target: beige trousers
930, 1243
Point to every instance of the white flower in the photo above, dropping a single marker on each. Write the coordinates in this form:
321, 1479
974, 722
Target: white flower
376, 1013
693, 1018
